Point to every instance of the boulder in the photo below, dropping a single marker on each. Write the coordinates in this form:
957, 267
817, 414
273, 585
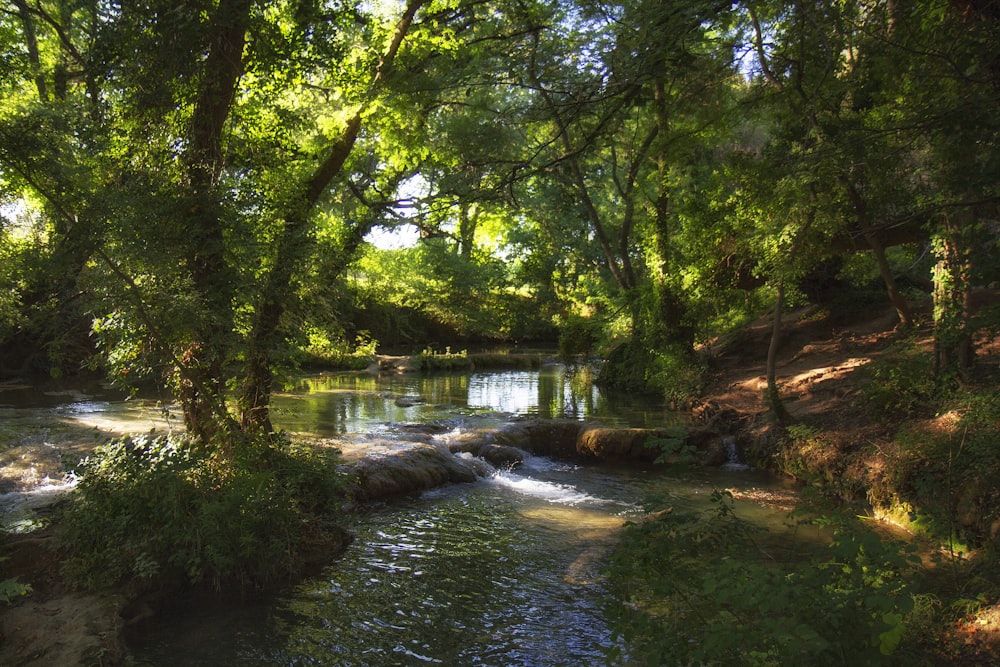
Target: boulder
569, 439
412, 469
410, 401
544, 437
616, 444
501, 456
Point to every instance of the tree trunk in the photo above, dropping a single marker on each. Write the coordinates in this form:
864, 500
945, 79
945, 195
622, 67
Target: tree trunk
773, 395
255, 395
953, 349
895, 297
672, 309
202, 385
466, 230
31, 44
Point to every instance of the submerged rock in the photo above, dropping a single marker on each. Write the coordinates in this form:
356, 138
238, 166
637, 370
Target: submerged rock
410, 401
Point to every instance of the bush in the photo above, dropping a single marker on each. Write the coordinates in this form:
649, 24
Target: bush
670, 371
949, 479
900, 384
432, 360
165, 508
700, 589
577, 337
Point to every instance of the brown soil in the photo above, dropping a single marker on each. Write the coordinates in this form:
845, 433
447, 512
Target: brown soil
819, 381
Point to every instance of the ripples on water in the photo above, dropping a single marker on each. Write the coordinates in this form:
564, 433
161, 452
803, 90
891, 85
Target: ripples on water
501, 572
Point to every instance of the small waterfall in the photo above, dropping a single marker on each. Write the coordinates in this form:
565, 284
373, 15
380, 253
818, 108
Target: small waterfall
553, 492
733, 459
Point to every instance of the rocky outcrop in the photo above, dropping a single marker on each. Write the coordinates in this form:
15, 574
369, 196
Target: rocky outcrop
400, 468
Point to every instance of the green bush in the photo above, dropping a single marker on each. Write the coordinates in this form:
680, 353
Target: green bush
11, 588
165, 508
949, 479
578, 337
700, 588
432, 360
900, 384
669, 371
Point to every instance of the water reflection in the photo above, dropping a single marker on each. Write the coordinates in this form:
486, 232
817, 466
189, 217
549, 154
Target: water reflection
342, 403
477, 574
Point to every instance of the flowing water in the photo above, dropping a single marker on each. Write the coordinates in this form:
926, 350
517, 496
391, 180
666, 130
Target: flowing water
504, 571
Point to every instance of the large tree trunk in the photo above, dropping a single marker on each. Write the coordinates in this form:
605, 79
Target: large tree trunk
953, 348
202, 384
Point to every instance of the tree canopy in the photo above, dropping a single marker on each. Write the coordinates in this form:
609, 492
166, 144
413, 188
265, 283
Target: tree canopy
189, 189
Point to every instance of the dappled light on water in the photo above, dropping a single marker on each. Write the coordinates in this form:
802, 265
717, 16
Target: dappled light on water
504, 571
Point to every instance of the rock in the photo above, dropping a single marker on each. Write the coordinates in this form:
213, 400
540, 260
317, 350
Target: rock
416, 468
555, 437
410, 401
570, 439
501, 456
617, 443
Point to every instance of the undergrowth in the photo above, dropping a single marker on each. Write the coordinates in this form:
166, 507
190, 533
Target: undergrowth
709, 588
165, 508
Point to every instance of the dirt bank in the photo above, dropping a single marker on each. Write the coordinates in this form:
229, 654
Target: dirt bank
821, 377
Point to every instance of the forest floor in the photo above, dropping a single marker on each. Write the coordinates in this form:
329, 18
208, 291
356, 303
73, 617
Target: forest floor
819, 380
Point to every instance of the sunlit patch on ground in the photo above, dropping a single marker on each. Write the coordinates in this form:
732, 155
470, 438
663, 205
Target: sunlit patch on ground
975, 639
777, 499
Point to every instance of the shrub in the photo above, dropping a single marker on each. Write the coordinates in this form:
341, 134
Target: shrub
949, 479
900, 384
577, 337
700, 589
432, 360
164, 508
669, 371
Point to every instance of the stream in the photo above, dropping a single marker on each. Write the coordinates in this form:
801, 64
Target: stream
503, 571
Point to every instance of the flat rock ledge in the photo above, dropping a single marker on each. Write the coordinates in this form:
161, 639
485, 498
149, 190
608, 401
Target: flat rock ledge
403, 468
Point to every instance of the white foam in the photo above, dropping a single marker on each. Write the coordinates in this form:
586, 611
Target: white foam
550, 491
17, 507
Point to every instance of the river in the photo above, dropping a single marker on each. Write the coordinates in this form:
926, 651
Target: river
504, 571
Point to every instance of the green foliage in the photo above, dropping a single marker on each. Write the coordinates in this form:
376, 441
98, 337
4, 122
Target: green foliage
164, 508
673, 446
578, 336
947, 478
432, 360
900, 383
704, 588
12, 589
671, 371
320, 351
